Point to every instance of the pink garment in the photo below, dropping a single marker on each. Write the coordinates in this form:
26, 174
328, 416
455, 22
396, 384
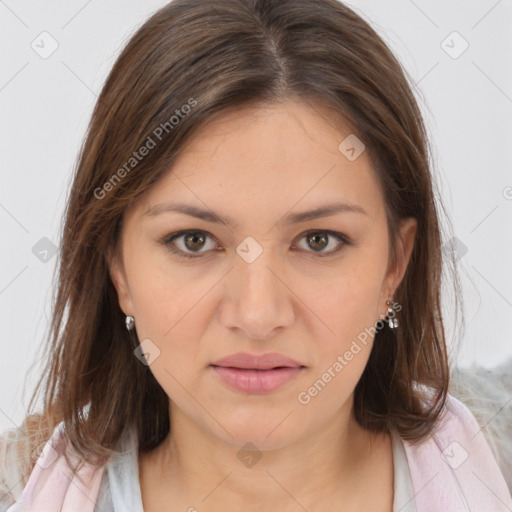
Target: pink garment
452, 470
52, 487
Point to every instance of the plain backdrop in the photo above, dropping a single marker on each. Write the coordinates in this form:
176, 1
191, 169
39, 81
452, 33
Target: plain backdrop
457, 52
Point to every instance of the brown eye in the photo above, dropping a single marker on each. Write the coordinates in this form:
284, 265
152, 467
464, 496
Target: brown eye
185, 243
194, 241
318, 241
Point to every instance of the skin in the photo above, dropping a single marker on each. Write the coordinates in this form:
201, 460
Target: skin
255, 167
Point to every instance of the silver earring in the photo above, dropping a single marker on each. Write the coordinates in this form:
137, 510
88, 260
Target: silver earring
392, 319
129, 322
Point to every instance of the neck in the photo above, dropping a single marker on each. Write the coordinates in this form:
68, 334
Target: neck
202, 466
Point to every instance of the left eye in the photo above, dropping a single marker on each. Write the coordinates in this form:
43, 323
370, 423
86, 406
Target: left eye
188, 244
320, 240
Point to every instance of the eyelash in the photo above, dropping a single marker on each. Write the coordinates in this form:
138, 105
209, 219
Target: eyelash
169, 239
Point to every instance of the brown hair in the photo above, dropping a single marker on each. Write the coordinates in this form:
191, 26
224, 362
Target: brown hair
215, 57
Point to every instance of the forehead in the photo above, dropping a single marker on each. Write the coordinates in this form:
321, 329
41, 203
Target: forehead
268, 160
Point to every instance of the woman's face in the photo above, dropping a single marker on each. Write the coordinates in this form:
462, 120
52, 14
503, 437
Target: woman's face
269, 278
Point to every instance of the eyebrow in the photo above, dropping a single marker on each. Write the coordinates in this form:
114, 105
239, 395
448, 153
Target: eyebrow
290, 218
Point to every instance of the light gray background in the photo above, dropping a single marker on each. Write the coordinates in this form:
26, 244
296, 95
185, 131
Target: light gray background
46, 104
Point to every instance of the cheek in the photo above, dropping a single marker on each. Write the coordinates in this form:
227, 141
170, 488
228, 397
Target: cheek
165, 294
349, 303
173, 312
348, 307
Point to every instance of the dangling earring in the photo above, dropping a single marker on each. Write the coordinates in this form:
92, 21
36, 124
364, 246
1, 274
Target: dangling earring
129, 322
392, 319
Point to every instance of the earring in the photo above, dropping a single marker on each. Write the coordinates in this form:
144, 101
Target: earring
129, 322
392, 320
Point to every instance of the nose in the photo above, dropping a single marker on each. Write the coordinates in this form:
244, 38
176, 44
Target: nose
258, 300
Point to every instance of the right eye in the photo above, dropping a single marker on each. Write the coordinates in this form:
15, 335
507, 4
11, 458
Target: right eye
184, 243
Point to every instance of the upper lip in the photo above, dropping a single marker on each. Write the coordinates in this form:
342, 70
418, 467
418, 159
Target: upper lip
257, 361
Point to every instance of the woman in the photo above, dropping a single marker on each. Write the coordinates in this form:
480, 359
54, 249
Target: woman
248, 312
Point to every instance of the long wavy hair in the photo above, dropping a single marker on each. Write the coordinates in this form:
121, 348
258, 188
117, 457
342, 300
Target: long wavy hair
188, 64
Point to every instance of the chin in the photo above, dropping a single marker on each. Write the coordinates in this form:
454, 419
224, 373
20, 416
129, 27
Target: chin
265, 433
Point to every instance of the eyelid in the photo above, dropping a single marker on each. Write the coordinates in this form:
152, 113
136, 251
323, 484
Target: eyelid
168, 239
341, 237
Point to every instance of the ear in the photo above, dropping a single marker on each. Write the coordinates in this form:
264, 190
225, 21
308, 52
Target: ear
118, 277
408, 228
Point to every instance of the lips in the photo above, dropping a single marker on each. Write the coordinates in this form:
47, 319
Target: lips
245, 361
256, 374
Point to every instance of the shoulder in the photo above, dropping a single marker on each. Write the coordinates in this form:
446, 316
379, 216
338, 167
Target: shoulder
16, 463
41, 478
457, 415
20, 448
487, 393
457, 464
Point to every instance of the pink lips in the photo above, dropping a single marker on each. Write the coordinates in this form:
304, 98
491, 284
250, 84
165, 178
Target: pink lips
252, 373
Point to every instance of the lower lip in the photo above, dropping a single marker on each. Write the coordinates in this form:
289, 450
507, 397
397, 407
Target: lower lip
256, 381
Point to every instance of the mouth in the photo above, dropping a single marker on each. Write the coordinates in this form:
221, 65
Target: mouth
256, 380
246, 361
257, 369
256, 373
